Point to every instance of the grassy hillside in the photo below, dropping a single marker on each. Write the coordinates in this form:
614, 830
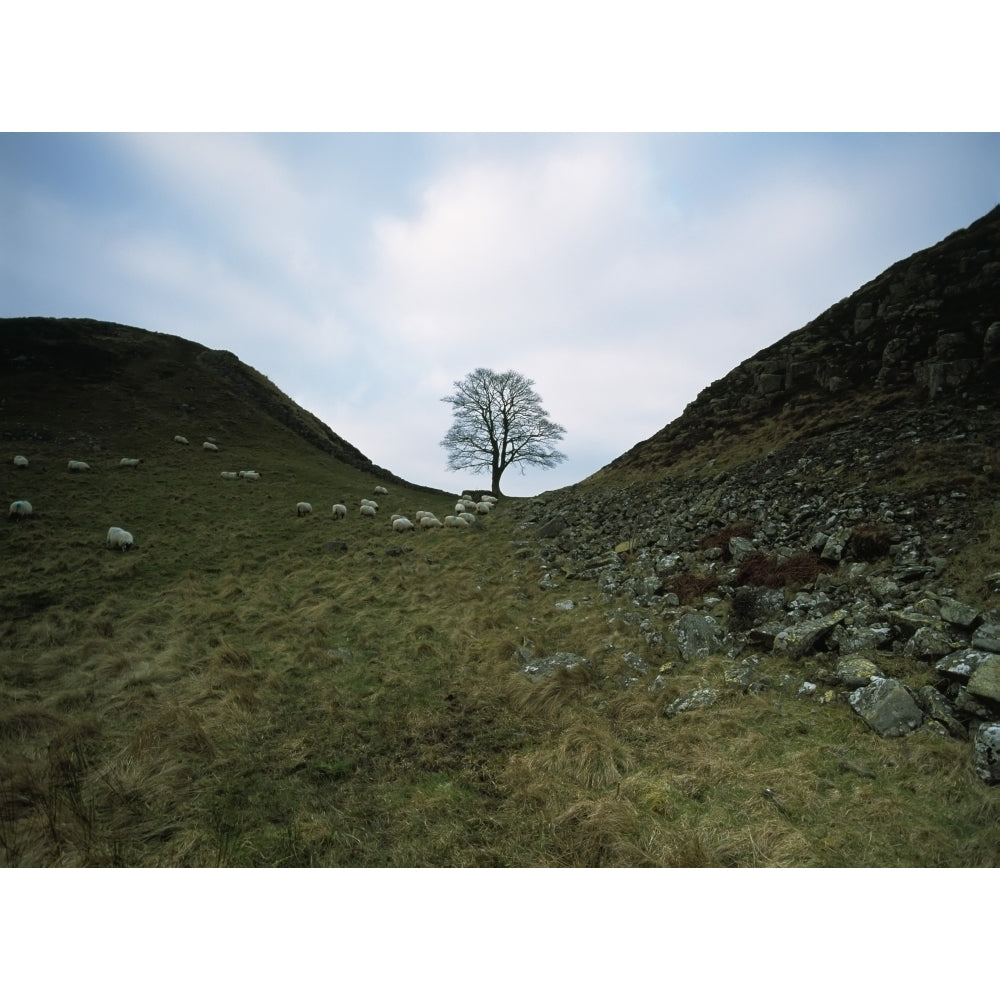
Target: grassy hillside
248, 687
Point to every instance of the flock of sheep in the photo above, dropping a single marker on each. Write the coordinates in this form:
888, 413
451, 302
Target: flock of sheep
466, 508
118, 538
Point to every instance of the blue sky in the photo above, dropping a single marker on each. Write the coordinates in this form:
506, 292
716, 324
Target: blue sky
366, 273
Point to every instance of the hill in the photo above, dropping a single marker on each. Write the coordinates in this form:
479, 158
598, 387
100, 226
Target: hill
757, 638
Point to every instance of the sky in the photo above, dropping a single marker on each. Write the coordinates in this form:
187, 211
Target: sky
366, 273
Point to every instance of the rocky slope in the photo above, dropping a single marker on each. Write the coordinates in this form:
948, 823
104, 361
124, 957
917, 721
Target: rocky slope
825, 517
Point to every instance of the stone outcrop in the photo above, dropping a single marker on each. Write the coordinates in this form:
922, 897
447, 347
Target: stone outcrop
800, 520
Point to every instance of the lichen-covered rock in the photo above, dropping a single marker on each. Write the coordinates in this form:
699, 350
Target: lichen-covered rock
930, 642
699, 698
697, 636
937, 706
985, 679
987, 637
887, 706
544, 666
963, 662
986, 752
957, 613
855, 671
797, 640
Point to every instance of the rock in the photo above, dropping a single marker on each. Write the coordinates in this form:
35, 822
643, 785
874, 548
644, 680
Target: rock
963, 662
699, 698
888, 707
985, 679
545, 666
855, 671
564, 605
797, 640
958, 614
986, 752
552, 528
697, 636
987, 637
938, 707
930, 642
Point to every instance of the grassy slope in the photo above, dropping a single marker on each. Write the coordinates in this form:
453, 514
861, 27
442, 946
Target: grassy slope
234, 692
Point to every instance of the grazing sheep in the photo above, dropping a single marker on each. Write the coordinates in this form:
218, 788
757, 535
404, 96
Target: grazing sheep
369, 503
468, 517
303, 508
488, 499
20, 462
229, 475
339, 511
120, 539
20, 509
483, 508
381, 491
402, 524
78, 467
250, 476
180, 439
421, 514
460, 508
130, 463
430, 521
209, 446
454, 521
367, 510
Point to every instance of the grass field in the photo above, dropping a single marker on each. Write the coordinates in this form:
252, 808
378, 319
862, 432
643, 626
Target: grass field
246, 687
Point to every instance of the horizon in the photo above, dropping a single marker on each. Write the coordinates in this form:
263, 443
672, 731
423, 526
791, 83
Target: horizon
366, 274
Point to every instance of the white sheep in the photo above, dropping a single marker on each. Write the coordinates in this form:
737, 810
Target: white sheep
250, 476
454, 521
369, 503
402, 524
460, 507
468, 517
209, 446
119, 538
130, 463
381, 491
229, 475
78, 467
302, 508
20, 462
367, 510
180, 439
339, 511
483, 508
421, 514
430, 521
489, 498
20, 509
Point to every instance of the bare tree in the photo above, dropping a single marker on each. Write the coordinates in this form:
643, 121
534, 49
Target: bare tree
498, 422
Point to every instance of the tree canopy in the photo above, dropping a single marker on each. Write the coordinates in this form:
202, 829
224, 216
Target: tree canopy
499, 421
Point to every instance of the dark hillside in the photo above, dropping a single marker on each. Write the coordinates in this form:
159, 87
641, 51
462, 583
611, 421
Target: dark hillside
113, 387
923, 334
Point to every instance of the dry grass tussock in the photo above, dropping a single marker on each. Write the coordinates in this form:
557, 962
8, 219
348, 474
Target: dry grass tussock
237, 691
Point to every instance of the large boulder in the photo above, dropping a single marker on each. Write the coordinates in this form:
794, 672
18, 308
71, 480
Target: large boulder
887, 706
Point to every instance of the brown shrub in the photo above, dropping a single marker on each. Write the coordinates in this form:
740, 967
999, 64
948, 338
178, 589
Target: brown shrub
721, 539
760, 570
690, 586
870, 542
